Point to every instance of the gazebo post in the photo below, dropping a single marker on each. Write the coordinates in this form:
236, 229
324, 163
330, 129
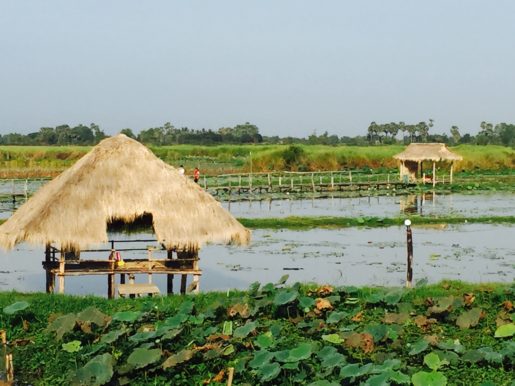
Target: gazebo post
169, 278
61, 271
196, 278
50, 278
434, 174
450, 174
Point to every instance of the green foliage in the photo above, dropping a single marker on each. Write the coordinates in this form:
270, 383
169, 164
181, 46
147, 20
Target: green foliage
188, 340
506, 330
16, 307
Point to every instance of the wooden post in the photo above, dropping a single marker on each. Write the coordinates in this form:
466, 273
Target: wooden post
434, 174
280, 182
169, 277
61, 272
424, 178
50, 278
230, 376
450, 175
350, 177
313, 182
8, 358
332, 181
239, 181
269, 182
110, 276
409, 272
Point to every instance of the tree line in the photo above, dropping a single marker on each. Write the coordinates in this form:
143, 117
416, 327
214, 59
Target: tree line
247, 133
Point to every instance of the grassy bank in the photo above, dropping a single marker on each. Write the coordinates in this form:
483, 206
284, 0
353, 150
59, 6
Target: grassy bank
26, 161
452, 333
328, 222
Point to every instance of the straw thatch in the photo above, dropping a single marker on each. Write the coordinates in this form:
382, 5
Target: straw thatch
427, 152
120, 179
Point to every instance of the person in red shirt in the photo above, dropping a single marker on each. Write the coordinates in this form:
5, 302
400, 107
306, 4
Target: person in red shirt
196, 175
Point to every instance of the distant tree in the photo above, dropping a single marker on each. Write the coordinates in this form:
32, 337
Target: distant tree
506, 133
47, 136
455, 133
128, 132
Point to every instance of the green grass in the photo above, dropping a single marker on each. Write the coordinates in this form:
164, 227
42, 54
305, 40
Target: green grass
303, 223
279, 335
47, 160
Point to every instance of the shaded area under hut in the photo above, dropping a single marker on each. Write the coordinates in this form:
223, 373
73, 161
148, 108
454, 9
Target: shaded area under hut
411, 167
121, 183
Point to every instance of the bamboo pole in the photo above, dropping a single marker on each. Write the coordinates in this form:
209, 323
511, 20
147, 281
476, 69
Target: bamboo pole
61, 272
313, 182
409, 239
230, 376
434, 174
169, 278
450, 175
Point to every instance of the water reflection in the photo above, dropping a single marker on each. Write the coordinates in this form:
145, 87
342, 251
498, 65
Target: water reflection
428, 204
473, 252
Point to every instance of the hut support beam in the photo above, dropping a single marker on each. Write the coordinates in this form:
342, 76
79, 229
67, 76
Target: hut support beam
50, 277
450, 173
169, 278
183, 284
61, 273
434, 174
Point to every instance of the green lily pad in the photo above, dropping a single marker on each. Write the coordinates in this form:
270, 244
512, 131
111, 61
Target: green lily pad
299, 353
127, 316
335, 317
434, 378
111, 336
243, 331
469, 318
260, 359
93, 315
73, 346
504, 331
15, 307
269, 371
418, 347
62, 325
265, 340
333, 338
142, 357
181, 357
284, 297
98, 371
433, 361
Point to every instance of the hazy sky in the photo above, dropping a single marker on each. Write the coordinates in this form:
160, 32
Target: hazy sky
288, 66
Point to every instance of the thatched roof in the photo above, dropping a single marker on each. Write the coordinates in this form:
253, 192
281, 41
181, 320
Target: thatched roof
120, 179
427, 152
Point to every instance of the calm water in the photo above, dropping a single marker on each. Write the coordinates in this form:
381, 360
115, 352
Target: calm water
493, 204
473, 252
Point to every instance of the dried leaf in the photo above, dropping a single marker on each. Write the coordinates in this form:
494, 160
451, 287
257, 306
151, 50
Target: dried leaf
363, 341
219, 377
423, 322
503, 318
180, 357
26, 325
432, 339
508, 306
323, 304
241, 308
469, 298
469, 318
393, 318
358, 317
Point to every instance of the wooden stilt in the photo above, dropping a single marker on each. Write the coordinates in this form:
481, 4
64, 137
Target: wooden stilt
169, 278
61, 272
450, 174
183, 284
110, 286
434, 174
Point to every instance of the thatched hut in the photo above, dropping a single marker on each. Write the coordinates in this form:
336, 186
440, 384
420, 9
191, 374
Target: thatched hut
413, 157
120, 181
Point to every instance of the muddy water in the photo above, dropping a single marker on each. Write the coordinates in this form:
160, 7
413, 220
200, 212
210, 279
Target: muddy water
474, 252
489, 204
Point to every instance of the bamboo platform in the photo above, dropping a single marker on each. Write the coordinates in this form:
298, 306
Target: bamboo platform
59, 265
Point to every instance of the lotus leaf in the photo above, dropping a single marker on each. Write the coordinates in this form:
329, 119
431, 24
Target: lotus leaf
269, 371
15, 307
98, 371
350, 371
434, 378
284, 297
181, 357
245, 330
127, 316
227, 328
142, 357
393, 297
283, 279
265, 340
261, 358
93, 315
333, 338
433, 361
63, 325
306, 302
469, 318
299, 353
111, 336
335, 317
73, 346
418, 347
176, 320
506, 330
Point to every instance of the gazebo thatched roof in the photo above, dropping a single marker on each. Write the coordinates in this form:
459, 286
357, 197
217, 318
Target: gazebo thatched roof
427, 152
120, 179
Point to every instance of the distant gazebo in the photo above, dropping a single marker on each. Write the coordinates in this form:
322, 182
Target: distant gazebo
413, 157
121, 182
